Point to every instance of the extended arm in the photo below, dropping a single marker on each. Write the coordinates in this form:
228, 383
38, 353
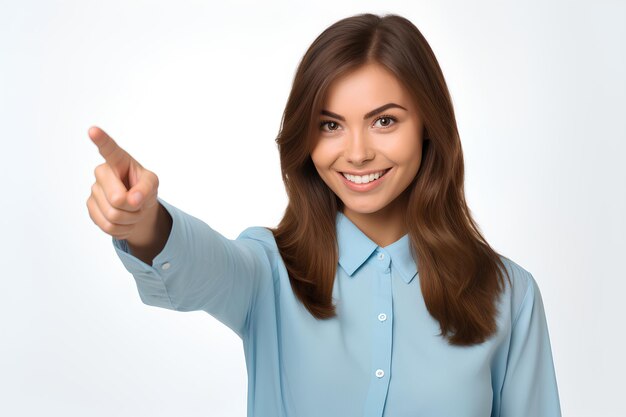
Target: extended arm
200, 269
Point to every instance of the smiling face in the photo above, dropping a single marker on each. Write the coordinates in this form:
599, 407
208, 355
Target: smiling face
369, 124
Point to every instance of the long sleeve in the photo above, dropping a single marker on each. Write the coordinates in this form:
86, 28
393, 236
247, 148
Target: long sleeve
200, 269
529, 386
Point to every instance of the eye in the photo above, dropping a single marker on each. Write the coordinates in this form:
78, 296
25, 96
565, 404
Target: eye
387, 120
329, 123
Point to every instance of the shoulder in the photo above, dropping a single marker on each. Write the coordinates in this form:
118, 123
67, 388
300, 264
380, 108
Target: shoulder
521, 288
263, 240
262, 235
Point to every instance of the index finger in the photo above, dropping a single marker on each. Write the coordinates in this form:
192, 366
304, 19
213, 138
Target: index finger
107, 147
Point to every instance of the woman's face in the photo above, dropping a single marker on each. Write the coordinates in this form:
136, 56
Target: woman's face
368, 125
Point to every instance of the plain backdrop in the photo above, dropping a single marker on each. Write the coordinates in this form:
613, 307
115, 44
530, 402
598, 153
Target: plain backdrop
195, 91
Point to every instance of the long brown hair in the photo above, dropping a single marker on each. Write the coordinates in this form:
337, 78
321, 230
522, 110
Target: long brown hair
459, 273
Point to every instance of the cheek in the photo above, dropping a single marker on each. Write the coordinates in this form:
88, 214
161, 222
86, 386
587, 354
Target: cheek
321, 156
315, 157
410, 149
410, 159
321, 166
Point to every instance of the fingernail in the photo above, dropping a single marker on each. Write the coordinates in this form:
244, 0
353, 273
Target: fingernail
137, 197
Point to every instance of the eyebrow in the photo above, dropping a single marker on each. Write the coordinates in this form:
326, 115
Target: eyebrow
367, 115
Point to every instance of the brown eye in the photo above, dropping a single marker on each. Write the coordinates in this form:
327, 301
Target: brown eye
386, 121
331, 124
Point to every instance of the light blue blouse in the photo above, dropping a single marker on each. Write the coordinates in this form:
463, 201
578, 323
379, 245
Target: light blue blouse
380, 356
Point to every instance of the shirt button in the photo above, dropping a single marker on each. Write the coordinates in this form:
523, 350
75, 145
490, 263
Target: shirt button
166, 265
380, 373
382, 317
381, 256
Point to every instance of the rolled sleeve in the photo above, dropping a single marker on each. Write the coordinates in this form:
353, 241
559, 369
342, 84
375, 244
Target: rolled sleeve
200, 269
530, 386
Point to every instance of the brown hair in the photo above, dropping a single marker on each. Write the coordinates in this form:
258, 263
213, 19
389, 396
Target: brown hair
458, 270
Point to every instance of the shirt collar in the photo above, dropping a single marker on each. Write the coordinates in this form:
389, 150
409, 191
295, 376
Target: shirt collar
355, 248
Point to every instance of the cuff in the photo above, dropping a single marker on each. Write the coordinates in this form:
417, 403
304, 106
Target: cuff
150, 279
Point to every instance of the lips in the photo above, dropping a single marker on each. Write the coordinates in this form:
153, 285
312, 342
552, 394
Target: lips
364, 187
383, 173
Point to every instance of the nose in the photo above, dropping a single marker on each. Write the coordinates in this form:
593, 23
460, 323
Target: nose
357, 149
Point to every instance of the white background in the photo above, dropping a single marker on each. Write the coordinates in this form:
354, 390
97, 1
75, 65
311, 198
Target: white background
195, 91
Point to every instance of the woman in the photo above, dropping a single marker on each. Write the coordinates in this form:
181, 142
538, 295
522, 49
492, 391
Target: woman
376, 295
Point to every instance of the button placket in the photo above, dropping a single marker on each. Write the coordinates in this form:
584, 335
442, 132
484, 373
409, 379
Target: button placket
382, 334
384, 261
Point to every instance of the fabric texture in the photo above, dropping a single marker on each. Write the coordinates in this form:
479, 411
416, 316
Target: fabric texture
381, 356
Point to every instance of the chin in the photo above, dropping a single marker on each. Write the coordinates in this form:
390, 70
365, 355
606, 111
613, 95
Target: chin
363, 208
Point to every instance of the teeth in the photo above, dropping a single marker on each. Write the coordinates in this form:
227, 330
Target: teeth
363, 179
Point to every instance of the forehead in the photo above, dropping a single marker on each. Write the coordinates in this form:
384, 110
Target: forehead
366, 87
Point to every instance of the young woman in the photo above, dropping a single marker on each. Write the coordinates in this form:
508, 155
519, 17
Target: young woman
376, 294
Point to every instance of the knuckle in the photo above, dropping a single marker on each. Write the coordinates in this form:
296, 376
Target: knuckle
117, 199
97, 170
89, 204
113, 215
91, 214
108, 228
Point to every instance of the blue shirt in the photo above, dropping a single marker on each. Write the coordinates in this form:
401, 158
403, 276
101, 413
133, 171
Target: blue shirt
381, 355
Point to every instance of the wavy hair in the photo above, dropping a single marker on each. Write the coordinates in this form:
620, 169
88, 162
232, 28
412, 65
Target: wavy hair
460, 275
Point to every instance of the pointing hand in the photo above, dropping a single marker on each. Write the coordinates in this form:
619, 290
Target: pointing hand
124, 194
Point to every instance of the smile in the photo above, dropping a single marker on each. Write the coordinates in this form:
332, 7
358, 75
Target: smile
368, 182
357, 179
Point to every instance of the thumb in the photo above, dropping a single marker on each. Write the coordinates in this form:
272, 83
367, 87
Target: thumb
136, 198
144, 190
